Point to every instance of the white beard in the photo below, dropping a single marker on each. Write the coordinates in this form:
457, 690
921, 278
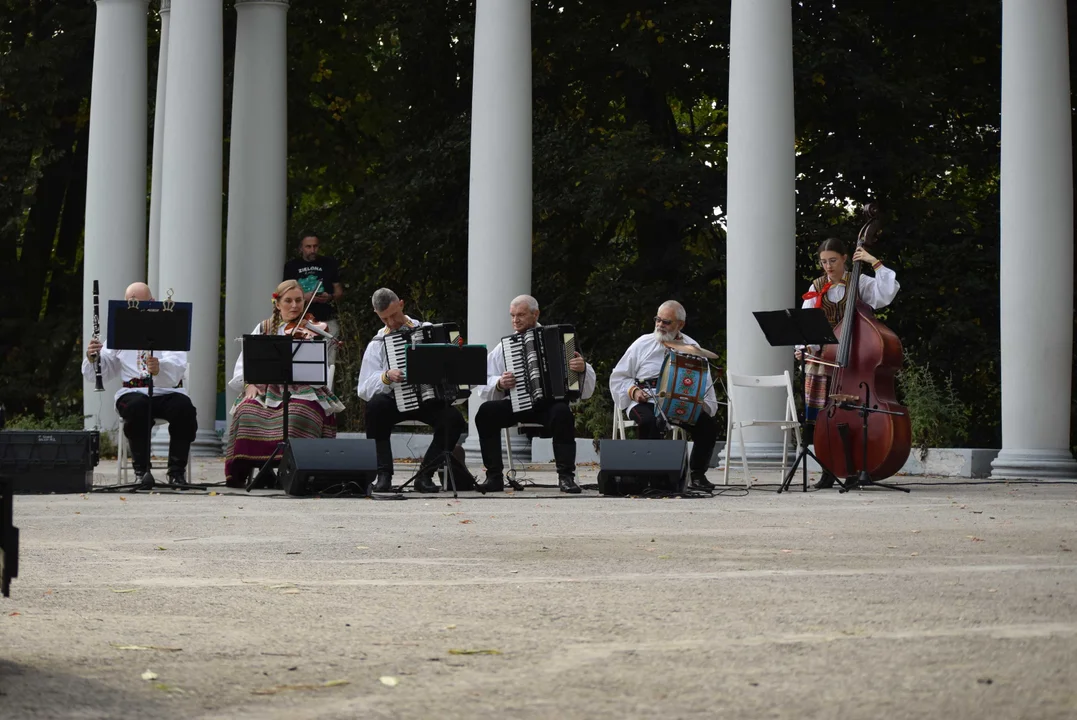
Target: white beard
661, 336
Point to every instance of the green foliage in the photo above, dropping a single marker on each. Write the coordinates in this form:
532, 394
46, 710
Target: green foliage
939, 418
48, 421
594, 416
894, 102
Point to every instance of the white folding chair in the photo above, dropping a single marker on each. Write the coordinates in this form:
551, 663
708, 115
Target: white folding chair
512, 472
122, 450
738, 384
621, 423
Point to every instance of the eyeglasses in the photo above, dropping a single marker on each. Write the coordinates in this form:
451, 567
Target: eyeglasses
663, 322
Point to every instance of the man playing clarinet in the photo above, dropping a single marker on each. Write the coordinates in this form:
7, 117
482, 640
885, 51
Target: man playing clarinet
555, 416
377, 385
136, 368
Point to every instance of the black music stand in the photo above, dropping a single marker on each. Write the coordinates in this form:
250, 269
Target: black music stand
792, 327
155, 326
281, 360
448, 366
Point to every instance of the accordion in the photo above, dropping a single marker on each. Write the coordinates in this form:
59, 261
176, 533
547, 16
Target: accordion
539, 359
411, 396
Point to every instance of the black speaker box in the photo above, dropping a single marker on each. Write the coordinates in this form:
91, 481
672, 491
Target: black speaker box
633, 467
49, 461
315, 465
9, 538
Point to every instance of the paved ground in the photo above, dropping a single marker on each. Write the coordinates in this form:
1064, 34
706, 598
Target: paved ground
956, 601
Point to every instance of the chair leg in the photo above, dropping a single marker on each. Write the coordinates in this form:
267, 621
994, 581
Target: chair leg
728, 446
785, 451
121, 455
744, 459
512, 463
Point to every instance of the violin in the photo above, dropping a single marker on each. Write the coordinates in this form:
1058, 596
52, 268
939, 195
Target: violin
307, 328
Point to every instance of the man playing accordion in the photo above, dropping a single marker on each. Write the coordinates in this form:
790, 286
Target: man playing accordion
632, 390
554, 413
381, 386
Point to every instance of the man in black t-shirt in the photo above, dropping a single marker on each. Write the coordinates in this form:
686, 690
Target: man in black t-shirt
308, 269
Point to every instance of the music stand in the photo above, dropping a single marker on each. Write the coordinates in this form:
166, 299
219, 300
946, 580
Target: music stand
797, 326
281, 360
154, 326
448, 366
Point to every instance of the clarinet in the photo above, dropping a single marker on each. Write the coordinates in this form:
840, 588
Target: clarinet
98, 385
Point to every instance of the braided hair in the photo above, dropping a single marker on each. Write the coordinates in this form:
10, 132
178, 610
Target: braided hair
275, 320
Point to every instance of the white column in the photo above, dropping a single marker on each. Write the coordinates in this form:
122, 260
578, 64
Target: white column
191, 193
499, 212
115, 238
1037, 243
258, 168
761, 204
154, 255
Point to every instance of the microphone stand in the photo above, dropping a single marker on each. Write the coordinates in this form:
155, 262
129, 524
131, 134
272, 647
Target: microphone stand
863, 478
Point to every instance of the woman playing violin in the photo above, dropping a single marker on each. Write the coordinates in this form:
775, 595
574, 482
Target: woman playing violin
828, 292
257, 415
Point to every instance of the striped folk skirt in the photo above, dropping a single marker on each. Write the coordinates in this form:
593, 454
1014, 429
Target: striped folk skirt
815, 394
256, 429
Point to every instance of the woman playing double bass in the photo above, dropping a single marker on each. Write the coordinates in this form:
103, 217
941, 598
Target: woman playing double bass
828, 292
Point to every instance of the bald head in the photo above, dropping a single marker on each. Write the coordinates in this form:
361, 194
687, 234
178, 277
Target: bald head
138, 291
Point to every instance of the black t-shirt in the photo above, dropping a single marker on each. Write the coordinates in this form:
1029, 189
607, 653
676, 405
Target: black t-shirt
322, 267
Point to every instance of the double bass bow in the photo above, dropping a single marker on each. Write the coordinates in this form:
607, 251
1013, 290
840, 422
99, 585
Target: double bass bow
863, 433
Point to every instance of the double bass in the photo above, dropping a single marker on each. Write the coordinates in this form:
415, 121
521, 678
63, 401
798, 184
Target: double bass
866, 358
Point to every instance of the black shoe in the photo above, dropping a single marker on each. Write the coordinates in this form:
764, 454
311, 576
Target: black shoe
699, 481
177, 477
567, 484
425, 484
495, 482
825, 482
144, 480
384, 483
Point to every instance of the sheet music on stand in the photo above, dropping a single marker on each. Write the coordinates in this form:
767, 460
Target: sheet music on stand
310, 360
282, 360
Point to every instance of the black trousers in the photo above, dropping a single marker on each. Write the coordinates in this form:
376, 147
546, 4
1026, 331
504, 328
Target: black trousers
556, 419
704, 434
176, 408
382, 416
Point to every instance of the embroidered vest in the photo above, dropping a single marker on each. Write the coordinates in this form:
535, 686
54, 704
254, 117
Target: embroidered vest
835, 311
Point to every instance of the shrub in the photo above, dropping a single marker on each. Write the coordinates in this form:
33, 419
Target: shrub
938, 417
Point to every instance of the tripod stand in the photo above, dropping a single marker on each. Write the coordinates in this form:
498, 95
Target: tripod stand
863, 479
797, 327
446, 366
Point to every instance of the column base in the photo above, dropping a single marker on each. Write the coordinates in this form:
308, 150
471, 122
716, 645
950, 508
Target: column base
759, 455
1034, 465
520, 446
206, 443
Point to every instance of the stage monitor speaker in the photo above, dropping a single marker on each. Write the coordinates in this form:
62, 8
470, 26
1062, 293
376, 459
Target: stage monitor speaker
634, 467
49, 461
317, 465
